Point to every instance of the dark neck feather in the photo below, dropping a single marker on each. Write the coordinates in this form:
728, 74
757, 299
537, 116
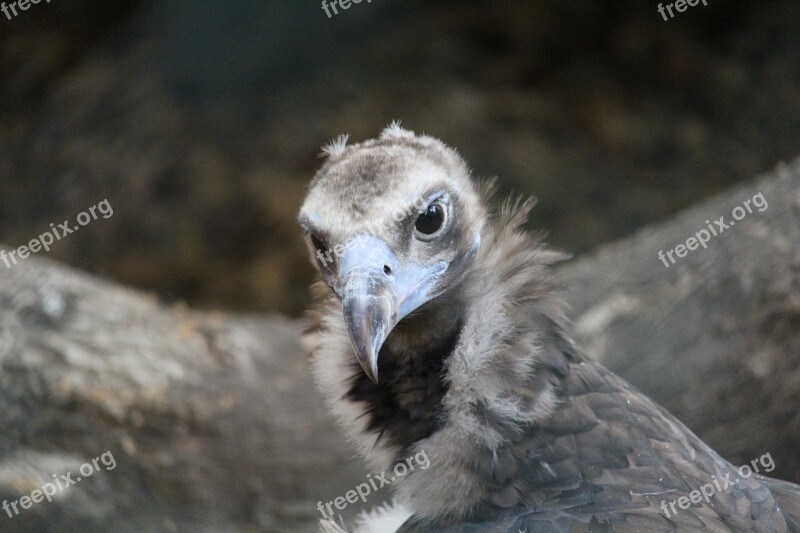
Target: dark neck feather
404, 406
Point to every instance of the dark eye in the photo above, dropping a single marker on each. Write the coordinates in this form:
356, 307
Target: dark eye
431, 220
317, 243
321, 251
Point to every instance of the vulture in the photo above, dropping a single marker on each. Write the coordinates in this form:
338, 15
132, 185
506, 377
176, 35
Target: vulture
438, 329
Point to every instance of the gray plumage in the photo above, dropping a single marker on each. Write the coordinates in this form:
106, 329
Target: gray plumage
523, 432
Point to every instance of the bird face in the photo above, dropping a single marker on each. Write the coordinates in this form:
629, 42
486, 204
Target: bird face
391, 224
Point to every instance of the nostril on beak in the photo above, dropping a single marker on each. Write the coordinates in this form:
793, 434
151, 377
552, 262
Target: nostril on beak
387, 270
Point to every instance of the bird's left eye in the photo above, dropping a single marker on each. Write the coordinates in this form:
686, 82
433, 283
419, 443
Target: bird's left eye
431, 220
322, 251
317, 243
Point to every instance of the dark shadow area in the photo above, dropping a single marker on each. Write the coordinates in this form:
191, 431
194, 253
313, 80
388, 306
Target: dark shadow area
201, 122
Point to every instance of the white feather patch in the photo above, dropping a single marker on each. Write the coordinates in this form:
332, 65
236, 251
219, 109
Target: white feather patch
385, 518
394, 131
336, 147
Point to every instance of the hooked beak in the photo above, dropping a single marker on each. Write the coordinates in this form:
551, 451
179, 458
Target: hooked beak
369, 304
378, 291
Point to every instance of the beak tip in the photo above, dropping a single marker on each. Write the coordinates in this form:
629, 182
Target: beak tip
369, 306
370, 367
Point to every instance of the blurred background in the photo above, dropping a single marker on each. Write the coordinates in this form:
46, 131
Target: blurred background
201, 124
201, 121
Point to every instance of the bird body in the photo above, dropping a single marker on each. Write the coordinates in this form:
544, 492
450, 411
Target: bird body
454, 342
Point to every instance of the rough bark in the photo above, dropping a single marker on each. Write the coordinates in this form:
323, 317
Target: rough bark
214, 424
212, 419
715, 338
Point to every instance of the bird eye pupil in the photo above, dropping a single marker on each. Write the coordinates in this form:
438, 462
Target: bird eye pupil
431, 220
317, 243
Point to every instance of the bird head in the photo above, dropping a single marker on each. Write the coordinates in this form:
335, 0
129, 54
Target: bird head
392, 224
